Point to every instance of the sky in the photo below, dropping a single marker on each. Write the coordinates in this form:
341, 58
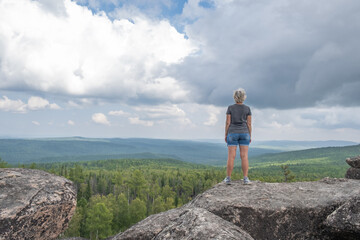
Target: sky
168, 69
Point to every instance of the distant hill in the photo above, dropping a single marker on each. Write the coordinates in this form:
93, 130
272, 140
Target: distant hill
300, 145
15, 151
333, 155
310, 164
290, 145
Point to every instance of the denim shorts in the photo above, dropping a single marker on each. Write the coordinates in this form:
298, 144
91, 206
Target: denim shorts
234, 139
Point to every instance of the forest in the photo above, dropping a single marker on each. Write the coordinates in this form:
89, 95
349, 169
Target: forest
115, 194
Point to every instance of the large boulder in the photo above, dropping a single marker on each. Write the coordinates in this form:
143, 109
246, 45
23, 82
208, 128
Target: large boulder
34, 204
345, 221
184, 223
263, 210
279, 210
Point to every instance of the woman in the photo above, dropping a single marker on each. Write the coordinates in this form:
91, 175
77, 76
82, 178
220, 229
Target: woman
238, 132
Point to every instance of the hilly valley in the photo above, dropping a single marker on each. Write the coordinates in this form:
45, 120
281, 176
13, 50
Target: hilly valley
25, 151
73, 149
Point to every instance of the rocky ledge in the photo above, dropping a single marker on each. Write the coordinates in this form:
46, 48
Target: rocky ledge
34, 204
326, 209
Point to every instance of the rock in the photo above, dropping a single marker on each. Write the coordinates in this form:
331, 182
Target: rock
185, 223
74, 238
151, 226
345, 221
34, 204
279, 210
354, 161
263, 210
353, 173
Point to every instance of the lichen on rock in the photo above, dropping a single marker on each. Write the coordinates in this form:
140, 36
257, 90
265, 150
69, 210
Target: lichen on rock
354, 161
34, 204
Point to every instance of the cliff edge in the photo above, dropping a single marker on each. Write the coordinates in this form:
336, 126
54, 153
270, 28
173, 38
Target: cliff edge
326, 209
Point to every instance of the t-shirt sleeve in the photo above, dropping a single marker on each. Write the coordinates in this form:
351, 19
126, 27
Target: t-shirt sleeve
228, 110
249, 114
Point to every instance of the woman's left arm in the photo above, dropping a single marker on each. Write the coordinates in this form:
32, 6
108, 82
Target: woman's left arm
248, 122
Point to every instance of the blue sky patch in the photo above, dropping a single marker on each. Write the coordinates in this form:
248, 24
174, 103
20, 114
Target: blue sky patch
207, 4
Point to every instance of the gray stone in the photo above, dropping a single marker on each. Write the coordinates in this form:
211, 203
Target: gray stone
150, 226
279, 210
263, 210
353, 173
34, 204
184, 223
345, 221
354, 161
74, 238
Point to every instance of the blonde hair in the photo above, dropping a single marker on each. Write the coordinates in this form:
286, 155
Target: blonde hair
239, 95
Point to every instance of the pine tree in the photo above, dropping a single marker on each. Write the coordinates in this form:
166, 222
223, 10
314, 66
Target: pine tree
137, 183
88, 191
75, 224
137, 210
287, 173
98, 221
82, 206
158, 205
122, 218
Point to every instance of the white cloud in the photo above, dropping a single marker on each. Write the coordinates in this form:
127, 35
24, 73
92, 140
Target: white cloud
71, 123
84, 54
163, 114
320, 123
317, 123
137, 121
118, 113
34, 103
161, 111
9, 105
164, 88
100, 118
35, 123
213, 116
81, 103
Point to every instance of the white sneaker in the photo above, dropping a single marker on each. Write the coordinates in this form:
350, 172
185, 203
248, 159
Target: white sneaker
247, 180
227, 180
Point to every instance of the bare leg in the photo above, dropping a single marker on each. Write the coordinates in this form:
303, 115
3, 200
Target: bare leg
244, 159
230, 161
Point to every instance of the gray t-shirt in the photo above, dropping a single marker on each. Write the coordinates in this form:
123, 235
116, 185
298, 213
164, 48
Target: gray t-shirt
239, 114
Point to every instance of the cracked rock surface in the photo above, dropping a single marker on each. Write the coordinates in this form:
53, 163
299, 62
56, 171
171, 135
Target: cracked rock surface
34, 204
297, 210
185, 223
345, 221
353, 173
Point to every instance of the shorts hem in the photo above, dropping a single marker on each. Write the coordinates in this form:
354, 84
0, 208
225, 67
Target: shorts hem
229, 145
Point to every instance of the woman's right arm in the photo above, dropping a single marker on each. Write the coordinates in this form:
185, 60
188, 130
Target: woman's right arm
227, 125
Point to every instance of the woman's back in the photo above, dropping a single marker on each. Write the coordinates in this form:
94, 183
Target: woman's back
239, 114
